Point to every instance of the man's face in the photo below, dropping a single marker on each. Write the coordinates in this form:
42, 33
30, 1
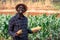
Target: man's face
21, 9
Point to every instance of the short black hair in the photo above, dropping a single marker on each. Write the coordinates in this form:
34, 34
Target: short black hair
17, 6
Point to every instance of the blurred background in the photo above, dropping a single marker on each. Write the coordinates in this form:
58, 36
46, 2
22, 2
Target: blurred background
33, 5
9, 5
37, 4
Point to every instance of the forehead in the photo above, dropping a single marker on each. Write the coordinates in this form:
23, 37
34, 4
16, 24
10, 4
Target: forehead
21, 6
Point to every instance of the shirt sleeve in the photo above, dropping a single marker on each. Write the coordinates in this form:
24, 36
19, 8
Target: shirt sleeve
29, 31
11, 28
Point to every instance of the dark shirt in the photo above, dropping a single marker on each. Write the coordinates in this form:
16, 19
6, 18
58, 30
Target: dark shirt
16, 23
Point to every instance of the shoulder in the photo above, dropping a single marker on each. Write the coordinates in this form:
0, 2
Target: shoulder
25, 17
12, 19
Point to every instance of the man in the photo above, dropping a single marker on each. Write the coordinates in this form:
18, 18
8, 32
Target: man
18, 24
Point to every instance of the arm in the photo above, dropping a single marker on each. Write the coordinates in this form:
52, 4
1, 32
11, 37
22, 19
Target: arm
36, 29
29, 31
11, 28
33, 30
19, 32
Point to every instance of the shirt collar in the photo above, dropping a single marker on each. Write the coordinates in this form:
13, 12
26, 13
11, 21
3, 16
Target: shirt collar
18, 16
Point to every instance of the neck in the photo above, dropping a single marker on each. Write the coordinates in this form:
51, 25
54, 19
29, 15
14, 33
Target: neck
21, 14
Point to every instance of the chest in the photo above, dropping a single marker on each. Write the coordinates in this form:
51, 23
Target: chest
21, 23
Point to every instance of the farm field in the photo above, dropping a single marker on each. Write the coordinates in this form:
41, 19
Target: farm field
50, 27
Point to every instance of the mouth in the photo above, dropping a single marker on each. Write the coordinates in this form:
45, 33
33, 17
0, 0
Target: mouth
20, 11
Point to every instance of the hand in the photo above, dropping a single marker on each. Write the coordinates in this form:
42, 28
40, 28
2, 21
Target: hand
19, 32
36, 29
15, 34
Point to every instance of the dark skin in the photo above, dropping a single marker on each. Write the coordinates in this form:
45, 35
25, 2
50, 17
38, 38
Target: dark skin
21, 10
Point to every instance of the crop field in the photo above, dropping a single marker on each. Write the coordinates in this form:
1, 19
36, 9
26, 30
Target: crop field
50, 27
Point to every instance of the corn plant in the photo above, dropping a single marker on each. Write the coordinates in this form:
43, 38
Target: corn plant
50, 27
4, 25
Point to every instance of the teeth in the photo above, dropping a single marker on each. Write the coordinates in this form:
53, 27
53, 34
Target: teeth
20, 11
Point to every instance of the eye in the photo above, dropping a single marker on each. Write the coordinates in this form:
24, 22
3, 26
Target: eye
23, 9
